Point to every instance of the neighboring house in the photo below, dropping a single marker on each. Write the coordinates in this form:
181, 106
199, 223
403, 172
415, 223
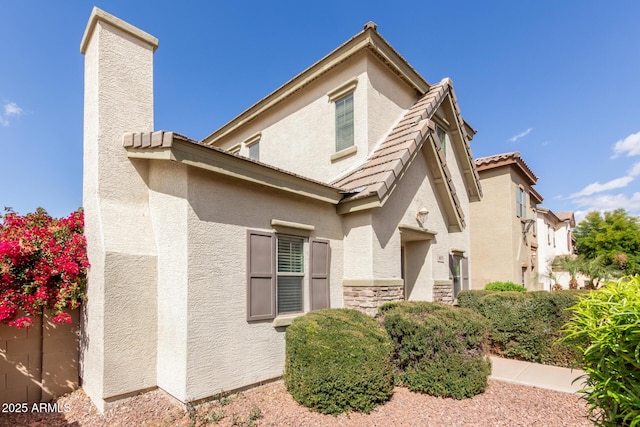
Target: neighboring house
503, 234
555, 241
348, 186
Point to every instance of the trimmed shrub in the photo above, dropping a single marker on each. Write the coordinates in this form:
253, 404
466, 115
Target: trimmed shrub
607, 323
472, 299
439, 349
504, 287
338, 360
526, 325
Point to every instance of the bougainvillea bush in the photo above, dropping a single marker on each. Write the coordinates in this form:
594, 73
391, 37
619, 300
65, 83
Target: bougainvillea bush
43, 265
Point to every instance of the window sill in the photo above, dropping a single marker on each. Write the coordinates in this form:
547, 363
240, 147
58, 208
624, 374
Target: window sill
344, 153
285, 319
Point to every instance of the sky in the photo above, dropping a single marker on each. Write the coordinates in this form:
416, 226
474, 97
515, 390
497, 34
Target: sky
558, 81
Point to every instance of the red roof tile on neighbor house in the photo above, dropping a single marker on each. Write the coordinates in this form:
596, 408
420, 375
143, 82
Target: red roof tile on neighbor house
504, 159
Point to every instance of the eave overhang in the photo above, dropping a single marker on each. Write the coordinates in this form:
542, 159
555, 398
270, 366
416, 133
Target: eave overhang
174, 147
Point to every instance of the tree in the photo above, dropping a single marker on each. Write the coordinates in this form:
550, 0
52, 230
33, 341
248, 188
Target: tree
43, 265
613, 238
571, 265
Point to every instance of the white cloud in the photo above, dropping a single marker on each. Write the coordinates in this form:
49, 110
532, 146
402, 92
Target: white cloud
520, 135
607, 202
11, 110
635, 170
629, 145
596, 187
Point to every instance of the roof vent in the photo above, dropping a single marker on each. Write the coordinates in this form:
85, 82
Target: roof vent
371, 25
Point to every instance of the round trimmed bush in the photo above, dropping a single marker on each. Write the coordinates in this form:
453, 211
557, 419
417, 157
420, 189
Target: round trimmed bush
439, 349
338, 360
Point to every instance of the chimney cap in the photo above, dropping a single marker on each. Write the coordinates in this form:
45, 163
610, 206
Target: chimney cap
100, 15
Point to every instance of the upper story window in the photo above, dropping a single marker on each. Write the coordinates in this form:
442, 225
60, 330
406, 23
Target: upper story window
521, 202
344, 122
253, 146
442, 137
254, 151
343, 100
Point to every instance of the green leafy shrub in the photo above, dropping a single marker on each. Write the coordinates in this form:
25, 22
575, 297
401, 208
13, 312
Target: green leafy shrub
338, 360
607, 322
504, 287
439, 349
526, 325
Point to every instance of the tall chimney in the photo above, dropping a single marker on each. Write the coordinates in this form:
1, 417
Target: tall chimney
119, 336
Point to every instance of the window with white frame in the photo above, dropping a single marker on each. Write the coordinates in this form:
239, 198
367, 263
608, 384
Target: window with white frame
344, 122
252, 146
278, 280
290, 274
254, 151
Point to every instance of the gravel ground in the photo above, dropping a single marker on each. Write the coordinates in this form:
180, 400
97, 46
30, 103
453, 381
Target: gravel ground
502, 404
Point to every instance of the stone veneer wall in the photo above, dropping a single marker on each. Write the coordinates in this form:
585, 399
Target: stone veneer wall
368, 298
39, 363
443, 293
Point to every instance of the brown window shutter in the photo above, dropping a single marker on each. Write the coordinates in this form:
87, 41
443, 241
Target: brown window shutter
319, 255
261, 277
464, 267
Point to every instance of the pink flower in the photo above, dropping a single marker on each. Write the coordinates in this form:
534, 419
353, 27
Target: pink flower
43, 264
22, 322
62, 318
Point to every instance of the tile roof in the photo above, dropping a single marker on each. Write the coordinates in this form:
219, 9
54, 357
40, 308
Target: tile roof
388, 160
166, 139
378, 174
504, 159
567, 216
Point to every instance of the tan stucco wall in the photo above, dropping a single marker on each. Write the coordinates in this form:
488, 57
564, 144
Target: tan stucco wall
223, 350
491, 230
299, 135
119, 335
374, 251
496, 232
168, 242
169, 209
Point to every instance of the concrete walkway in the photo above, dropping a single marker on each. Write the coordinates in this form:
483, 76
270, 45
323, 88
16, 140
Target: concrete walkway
536, 375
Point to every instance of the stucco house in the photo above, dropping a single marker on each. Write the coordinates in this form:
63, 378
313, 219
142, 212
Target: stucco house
503, 233
555, 241
348, 186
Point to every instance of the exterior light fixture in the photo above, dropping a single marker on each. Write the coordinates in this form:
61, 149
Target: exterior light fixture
421, 216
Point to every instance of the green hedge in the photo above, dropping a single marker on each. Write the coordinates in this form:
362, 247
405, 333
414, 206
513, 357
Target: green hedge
504, 286
526, 325
607, 322
439, 349
338, 360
